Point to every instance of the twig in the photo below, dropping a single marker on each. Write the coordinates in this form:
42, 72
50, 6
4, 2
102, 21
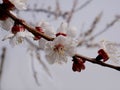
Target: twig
34, 31
106, 28
93, 60
57, 12
2, 63
2, 60
95, 22
28, 27
34, 71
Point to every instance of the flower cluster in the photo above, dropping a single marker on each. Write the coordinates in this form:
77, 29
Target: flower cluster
17, 31
17, 34
62, 46
9, 5
107, 51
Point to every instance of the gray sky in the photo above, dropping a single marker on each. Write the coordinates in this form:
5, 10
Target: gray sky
17, 73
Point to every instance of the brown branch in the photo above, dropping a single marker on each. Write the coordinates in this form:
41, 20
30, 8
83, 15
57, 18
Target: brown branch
93, 60
28, 27
35, 32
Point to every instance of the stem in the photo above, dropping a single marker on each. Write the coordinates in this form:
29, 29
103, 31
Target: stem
93, 60
28, 27
35, 32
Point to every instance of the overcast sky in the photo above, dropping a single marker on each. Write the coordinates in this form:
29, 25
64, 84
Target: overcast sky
17, 74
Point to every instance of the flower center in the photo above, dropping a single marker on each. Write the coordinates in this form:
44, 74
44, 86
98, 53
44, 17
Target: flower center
59, 48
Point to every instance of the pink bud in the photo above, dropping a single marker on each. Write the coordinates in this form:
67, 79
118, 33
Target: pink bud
102, 55
60, 33
17, 28
39, 29
78, 64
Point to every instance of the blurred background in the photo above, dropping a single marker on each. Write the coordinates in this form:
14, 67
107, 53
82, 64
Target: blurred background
21, 66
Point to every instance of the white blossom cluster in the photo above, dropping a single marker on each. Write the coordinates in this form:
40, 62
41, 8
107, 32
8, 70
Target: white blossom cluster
64, 43
8, 23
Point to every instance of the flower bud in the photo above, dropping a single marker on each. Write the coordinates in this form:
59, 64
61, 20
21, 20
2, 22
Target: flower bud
102, 55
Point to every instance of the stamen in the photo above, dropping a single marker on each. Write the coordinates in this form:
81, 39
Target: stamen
59, 48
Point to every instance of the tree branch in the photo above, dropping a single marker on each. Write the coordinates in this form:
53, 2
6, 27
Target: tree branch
93, 60
28, 27
35, 32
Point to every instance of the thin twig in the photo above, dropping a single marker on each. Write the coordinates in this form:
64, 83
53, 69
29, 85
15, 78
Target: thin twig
34, 31
106, 28
57, 12
95, 22
2, 63
83, 5
2, 60
93, 60
34, 71
28, 27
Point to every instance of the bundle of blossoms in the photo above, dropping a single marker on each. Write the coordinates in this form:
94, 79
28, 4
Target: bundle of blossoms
59, 45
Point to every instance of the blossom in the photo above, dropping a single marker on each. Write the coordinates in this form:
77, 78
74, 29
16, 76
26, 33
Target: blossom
18, 34
62, 47
18, 37
46, 29
111, 50
7, 24
19, 4
59, 49
78, 64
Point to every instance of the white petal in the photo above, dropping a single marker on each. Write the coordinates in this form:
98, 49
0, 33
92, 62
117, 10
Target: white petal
72, 31
43, 23
9, 36
50, 59
42, 42
62, 28
60, 40
7, 24
47, 28
19, 4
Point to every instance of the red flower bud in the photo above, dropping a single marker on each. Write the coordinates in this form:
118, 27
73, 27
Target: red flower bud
102, 55
78, 64
39, 29
60, 33
17, 28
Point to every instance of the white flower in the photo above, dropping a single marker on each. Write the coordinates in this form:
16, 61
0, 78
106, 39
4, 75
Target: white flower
60, 49
7, 24
111, 50
48, 30
18, 37
19, 4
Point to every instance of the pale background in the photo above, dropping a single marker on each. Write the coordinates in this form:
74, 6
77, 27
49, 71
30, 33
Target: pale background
17, 74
